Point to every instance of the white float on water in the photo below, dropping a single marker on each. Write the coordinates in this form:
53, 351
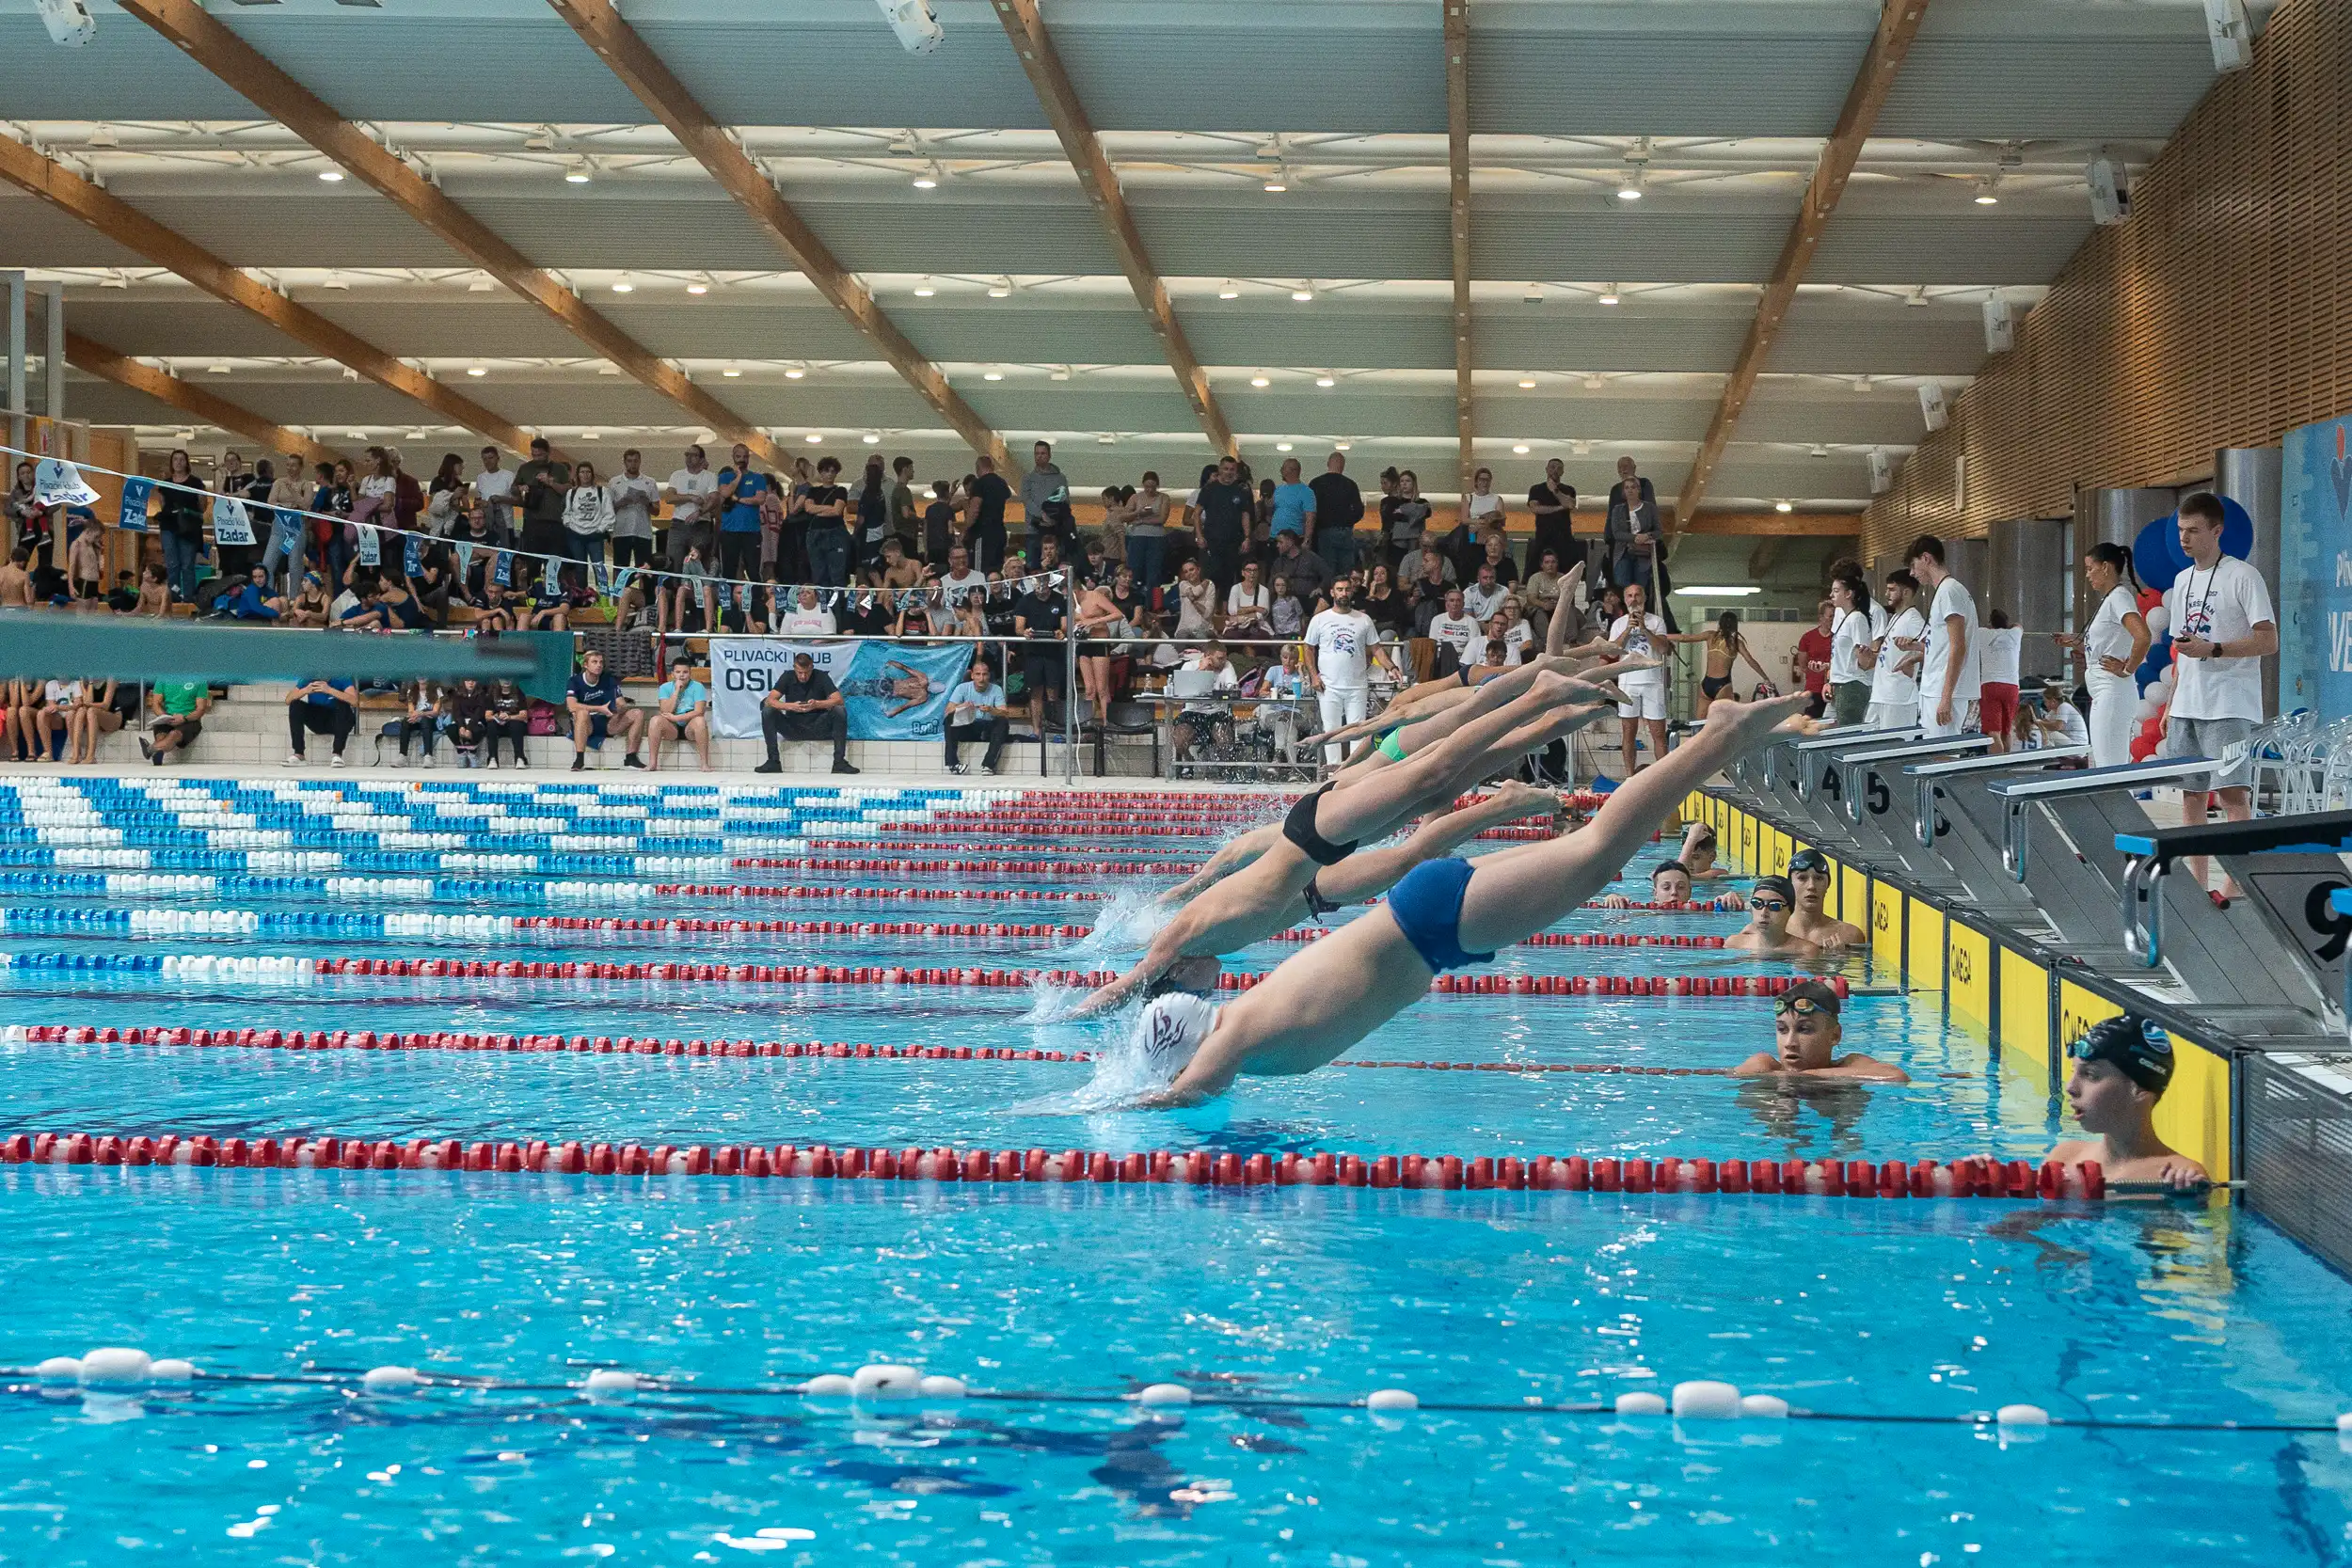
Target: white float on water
1391, 1398
2022, 1416
611, 1380
116, 1366
940, 1387
387, 1380
1701, 1399
1164, 1393
59, 1368
1641, 1404
1770, 1407
830, 1386
886, 1381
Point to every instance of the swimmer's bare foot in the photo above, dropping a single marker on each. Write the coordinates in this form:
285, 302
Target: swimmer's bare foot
1750, 723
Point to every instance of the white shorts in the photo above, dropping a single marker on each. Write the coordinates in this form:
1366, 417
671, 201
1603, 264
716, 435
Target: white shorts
1643, 702
1964, 720
1893, 715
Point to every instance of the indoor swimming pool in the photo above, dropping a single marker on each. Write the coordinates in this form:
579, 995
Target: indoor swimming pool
2192, 1356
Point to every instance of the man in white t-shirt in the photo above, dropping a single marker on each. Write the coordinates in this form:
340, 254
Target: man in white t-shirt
1485, 597
960, 580
1893, 659
494, 487
807, 617
1641, 635
1950, 681
2223, 627
689, 492
1339, 661
1457, 630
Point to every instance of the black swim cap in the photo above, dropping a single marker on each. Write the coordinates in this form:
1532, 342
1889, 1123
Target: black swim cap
1808, 860
1776, 884
1815, 996
2136, 1047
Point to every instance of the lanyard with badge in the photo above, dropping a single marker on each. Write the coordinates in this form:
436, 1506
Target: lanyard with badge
2197, 611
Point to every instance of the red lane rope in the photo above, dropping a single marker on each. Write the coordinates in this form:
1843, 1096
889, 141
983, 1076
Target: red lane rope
917, 895
1970, 1178
990, 867
251, 1039
895, 974
998, 827
797, 927
1552, 939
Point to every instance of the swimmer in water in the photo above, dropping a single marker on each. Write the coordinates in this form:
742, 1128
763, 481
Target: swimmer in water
2123, 1066
1767, 930
1698, 854
1444, 914
1805, 1036
1670, 889
1809, 874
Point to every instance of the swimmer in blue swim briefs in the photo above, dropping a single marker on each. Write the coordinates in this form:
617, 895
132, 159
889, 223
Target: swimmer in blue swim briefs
1444, 915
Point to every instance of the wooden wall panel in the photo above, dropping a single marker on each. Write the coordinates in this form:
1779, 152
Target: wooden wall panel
2219, 315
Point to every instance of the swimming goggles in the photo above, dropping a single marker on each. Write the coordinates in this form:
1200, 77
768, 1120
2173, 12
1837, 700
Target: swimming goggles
1804, 1006
1769, 907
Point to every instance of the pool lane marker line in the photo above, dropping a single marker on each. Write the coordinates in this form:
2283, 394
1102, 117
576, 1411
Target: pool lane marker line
123, 1369
634, 1045
1976, 1177
301, 968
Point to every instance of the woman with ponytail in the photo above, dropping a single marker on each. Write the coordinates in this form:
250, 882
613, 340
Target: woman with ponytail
2112, 646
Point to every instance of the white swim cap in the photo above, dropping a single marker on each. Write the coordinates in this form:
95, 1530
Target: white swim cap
1173, 1029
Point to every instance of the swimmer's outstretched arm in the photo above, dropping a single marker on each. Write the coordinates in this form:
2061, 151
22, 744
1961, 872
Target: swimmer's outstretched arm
1167, 947
1231, 857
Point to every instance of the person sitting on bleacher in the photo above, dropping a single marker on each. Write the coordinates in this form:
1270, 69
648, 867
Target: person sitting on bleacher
597, 708
494, 610
178, 709
309, 605
251, 600
510, 720
321, 705
423, 705
684, 714
366, 610
550, 607
2123, 1066
804, 704
470, 721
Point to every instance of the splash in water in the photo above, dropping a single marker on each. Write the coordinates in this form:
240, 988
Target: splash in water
1126, 924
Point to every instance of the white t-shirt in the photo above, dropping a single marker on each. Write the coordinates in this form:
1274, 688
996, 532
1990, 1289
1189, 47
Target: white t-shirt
494, 484
1637, 644
1950, 599
1227, 680
1515, 641
807, 622
1889, 684
1341, 640
1483, 601
2077, 733
691, 488
1461, 634
962, 588
1482, 507
1248, 602
634, 501
2221, 606
2002, 644
1852, 629
61, 693
2108, 637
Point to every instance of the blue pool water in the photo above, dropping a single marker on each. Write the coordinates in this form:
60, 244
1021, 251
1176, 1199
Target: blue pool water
1278, 1306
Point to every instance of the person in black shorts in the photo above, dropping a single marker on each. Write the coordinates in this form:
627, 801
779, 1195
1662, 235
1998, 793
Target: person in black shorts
804, 704
1039, 615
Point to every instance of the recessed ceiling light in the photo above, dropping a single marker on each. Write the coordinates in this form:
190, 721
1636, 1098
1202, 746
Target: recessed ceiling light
623, 286
1261, 379
1327, 381
1783, 506
1527, 384
925, 182
477, 370
1519, 449
332, 176
1609, 296
1281, 446
1277, 185
1302, 295
698, 288
814, 440
794, 374
1341, 446
992, 375
925, 288
1229, 289
732, 371
871, 439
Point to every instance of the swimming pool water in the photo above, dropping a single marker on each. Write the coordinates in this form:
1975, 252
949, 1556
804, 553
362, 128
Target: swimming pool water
1281, 1303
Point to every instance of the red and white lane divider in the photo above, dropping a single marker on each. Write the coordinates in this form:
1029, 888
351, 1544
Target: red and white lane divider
1576, 1173
999, 829
252, 1039
968, 867
801, 927
1554, 939
913, 895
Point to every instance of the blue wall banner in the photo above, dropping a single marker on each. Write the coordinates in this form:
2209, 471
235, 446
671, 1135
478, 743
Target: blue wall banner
895, 690
2315, 571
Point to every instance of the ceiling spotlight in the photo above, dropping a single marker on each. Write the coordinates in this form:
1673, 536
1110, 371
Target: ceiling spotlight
1261, 379
794, 374
1277, 183
1820, 449
1281, 446
1988, 191
1106, 439
1581, 449
1608, 296
1595, 383
623, 286
1862, 384
1002, 289
814, 440
1302, 295
1229, 289
926, 183
356, 434
1060, 373
1527, 384
1341, 446
336, 281
1327, 381
732, 371
698, 288
1629, 188
418, 434
477, 370
871, 439
1519, 449
216, 369
993, 376
585, 435
1783, 506
190, 436
332, 176
1534, 294
925, 288
578, 174
480, 286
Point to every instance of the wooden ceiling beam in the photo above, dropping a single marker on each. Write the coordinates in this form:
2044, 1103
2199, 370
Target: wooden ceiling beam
96, 358
1898, 24
247, 70
1059, 99
643, 73
1458, 139
124, 224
